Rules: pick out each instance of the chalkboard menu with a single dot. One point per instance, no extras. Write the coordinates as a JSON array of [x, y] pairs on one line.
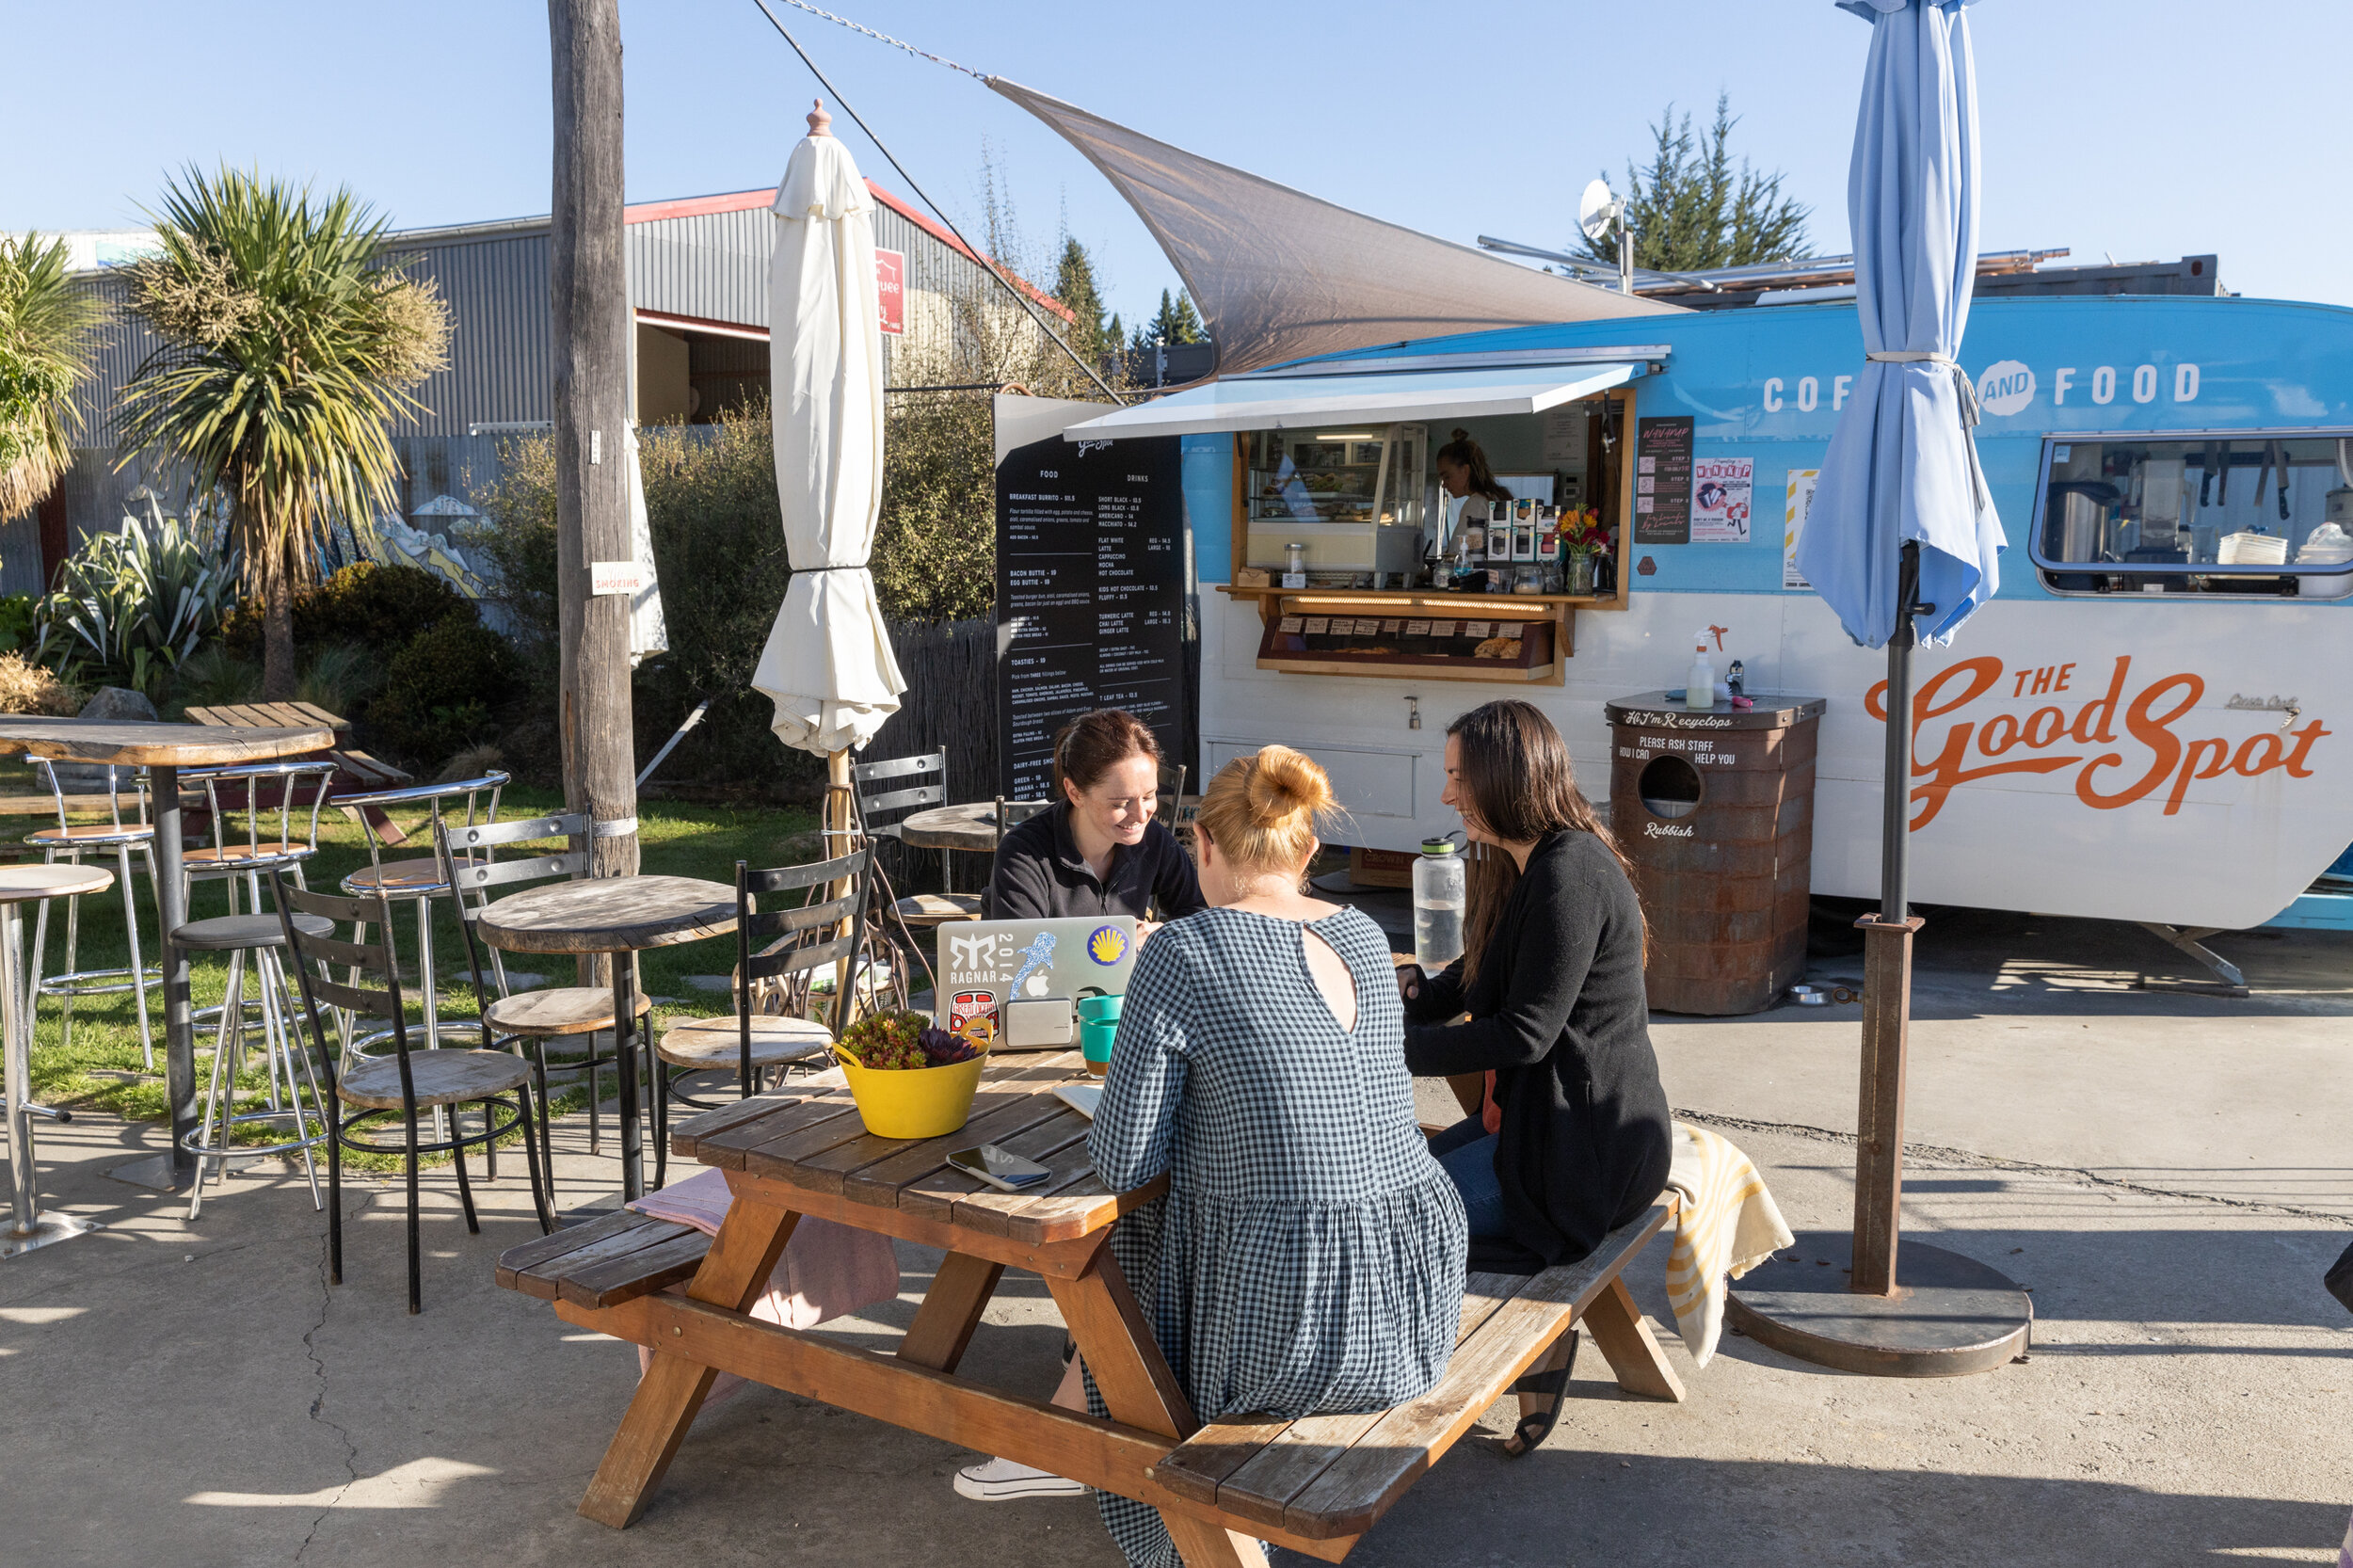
[[1662, 481], [1090, 596]]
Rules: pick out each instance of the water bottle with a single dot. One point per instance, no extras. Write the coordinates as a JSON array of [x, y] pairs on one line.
[[1438, 903]]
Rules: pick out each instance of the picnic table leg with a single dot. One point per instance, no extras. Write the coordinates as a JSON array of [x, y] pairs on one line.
[[733, 1274], [1140, 1391], [1626, 1342], [950, 1311]]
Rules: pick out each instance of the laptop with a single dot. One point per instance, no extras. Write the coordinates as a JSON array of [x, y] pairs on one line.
[[1016, 984]]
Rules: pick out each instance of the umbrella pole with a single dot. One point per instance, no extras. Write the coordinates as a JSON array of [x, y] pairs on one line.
[[837, 841], [1833, 1299], [1887, 975]]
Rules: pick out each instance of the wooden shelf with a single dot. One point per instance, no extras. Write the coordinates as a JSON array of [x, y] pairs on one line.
[[1428, 599], [1503, 675]]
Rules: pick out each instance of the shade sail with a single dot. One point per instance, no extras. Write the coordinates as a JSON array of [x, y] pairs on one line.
[[1902, 463], [828, 666], [1279, 275], [1288, 402]]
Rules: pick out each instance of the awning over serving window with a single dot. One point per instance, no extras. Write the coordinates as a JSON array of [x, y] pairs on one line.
[[1290, 402]]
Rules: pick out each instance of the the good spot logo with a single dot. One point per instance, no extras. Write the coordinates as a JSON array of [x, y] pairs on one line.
[[2006, 388], [2113, 770]]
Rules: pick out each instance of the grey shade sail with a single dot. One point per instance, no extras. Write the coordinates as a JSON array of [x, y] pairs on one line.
[[1279, 275], [1303, 402]]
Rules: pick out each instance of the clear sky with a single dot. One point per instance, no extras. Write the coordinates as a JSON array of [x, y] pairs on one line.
[[2145, 128]]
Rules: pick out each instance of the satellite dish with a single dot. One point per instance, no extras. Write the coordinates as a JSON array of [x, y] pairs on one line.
[[1597, 211]]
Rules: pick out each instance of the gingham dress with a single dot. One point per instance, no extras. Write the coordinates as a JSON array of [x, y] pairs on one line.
[[1308, 1256]]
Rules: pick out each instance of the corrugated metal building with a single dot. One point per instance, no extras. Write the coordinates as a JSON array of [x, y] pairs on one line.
[[699, 283]]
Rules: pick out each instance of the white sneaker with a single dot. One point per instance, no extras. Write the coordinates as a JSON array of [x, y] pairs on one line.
[[1000, 1481]]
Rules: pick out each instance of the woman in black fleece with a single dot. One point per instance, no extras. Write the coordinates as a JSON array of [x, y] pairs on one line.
[[1572, 1139]]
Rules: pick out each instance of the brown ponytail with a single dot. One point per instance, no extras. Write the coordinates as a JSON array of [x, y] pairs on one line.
[[1464, 452]]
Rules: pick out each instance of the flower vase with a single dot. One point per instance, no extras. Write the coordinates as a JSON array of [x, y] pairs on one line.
[[1580, 577]]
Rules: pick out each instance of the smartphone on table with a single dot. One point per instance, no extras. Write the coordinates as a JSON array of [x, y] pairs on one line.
[[1008, 1173]]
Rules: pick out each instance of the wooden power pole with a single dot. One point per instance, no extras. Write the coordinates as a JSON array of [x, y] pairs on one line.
[[588, 281]]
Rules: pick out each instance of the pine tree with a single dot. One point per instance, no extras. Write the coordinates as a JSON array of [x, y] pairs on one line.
[[1692, 210], [1175, 322], [1075, 287]]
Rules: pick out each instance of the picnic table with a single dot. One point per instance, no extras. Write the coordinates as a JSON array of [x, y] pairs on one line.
[[1314, 1485], [356, 771]]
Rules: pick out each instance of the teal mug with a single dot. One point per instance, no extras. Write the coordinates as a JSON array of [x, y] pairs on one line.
[[1094, 1041], [1099, 1010]]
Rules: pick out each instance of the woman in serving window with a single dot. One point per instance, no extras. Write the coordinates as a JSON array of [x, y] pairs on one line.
[[1464, 474]]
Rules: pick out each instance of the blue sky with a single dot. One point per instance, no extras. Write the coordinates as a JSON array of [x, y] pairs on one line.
[[2145, 128]]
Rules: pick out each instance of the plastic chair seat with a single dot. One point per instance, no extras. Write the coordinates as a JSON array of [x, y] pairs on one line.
[[105, 832], [441, 1078], [717, 1043], [558, 1010], [223, 933], [400, 879]]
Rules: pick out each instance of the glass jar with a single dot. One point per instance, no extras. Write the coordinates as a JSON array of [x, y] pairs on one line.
[[1581, 573]]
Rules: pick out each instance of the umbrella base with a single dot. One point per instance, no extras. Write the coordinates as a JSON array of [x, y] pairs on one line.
[[1950, 1316]]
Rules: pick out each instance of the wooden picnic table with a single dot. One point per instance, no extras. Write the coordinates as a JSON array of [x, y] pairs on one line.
[[1314, 1485], [163, 749]]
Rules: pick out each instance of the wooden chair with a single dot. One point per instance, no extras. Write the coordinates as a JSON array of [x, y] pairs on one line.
[[405, 1082], [787, 944], [468, 866]]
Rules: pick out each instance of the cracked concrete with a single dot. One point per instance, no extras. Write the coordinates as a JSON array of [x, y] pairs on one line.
[[2163, 1173]]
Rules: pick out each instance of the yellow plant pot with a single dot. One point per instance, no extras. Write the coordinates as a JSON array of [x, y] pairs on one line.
[[913, 1102]]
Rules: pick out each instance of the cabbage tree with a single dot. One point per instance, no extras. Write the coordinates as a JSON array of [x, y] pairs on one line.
[[46, 324], [292, 340]]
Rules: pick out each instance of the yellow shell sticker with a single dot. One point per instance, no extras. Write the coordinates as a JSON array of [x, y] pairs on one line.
[[1107, 944]]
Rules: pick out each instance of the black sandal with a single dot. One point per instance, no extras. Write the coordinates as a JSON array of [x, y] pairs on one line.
[[1532, 1430]]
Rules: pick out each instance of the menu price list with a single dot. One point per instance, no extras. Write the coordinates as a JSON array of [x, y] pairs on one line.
[[1662, 481], [1090, 596]]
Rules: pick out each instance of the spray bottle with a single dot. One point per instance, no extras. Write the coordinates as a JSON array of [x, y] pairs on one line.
[[1699, 686]]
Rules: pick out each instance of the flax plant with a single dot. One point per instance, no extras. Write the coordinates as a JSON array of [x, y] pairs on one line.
[[46, 321], [292, 341]]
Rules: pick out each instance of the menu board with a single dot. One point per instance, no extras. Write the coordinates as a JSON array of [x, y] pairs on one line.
[[1090, 596], [1662, 481]]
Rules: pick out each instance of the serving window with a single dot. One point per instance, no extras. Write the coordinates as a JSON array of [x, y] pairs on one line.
[[2244, 514]]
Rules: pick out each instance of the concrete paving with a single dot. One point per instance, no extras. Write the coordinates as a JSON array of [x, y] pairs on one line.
[[2164, 1172]]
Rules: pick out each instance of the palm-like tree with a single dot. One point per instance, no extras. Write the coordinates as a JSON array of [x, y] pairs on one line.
[[45, 327], [291, 342]]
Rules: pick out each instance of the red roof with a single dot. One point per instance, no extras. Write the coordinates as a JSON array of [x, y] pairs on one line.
[[741, 201]]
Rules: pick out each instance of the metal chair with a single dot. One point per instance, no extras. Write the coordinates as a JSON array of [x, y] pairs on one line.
[[916, 910], [72, 842], [405, 1082], [818, 933], [468, 866], [418, 881]]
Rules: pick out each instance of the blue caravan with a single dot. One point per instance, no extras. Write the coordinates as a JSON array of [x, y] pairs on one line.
[[2146, 724]]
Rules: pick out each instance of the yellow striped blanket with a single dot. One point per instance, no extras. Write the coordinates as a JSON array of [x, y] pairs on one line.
[[1727, 1224]]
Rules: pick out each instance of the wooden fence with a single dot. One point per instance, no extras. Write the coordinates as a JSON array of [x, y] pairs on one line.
[[950, 705]]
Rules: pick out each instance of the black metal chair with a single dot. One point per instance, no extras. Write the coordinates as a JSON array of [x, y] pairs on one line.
[[469, 866], [405, 1082], [788, 944]]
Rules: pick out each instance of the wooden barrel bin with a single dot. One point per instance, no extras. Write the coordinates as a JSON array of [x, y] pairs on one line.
[[1715, 810]]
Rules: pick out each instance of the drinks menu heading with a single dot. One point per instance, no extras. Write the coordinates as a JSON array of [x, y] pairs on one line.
[[1090, 596]]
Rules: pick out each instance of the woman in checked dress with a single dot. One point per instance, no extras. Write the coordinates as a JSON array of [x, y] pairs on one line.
[[1308, 1256]]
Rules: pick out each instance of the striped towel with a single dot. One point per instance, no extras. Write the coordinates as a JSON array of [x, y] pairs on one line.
[[1726, 1224], [827, 1269]]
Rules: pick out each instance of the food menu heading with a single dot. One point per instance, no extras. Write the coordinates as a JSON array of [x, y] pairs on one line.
[[1090, 596], [1662, 481]]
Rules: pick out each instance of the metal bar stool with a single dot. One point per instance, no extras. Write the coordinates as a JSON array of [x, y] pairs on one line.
[[28, 1226], [820, 934], [71, 843]]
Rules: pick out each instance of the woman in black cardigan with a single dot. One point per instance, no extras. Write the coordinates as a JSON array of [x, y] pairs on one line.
[[1572, 1139]]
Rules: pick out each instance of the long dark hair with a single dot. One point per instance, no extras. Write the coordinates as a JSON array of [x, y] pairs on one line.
[[1464, 452], [1517, 780]]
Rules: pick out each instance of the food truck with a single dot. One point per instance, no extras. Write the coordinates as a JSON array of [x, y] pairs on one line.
[[2148, 722]]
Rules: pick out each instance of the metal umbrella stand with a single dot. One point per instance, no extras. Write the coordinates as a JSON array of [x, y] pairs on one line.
[[1901, 470]]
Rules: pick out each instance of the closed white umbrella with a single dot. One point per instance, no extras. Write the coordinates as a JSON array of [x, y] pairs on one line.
[[827, 666], [649, 634]]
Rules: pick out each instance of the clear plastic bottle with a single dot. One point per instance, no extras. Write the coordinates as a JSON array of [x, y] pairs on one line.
[[1438, 904]]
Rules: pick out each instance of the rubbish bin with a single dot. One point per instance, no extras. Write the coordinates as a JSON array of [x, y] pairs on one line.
[[1715, 810]]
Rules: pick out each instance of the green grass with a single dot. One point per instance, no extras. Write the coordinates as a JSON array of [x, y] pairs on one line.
[[101, 1069]]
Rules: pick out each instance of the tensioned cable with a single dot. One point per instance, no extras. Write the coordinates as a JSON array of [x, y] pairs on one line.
[[986, 265], [886, 38]]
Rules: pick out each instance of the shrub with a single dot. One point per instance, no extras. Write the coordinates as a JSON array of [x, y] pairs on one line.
[[379, 606], [27, 688], [441, 693], [20, 622]]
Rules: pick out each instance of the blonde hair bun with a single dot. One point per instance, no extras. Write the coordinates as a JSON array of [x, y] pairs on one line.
[[1285, 786]]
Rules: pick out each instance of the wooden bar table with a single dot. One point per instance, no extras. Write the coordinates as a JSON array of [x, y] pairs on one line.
[[29, 1228], [163, 749], [617, 916], [805, 1151]]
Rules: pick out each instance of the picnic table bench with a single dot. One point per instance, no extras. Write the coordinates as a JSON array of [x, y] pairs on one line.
[[1314, 1485], [356, 771]]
